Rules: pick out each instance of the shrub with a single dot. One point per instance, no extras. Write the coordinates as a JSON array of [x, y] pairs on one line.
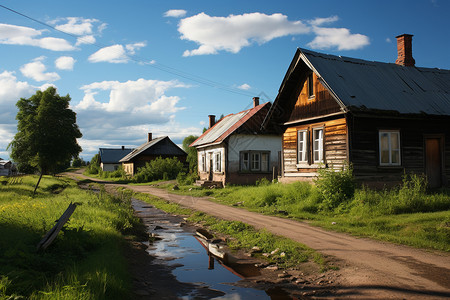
[[335, 187], [159, 168], [186, 179]]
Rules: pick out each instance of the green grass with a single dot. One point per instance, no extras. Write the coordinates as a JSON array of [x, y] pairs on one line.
[[408, 214], [86, 259]]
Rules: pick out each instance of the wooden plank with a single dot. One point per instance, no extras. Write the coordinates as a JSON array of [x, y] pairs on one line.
[[53, 233]]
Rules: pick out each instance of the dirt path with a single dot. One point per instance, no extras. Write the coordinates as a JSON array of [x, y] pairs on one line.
[[369, 269]]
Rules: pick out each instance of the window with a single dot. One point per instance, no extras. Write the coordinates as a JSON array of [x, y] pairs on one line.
[[310, 146], [302, 144], [264, 162], [254, 161], [317, 145], [389, 141], [203, 163], [310, 85], [218, 162]]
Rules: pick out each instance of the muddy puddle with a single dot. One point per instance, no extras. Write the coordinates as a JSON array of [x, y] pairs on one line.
[[174, 244]]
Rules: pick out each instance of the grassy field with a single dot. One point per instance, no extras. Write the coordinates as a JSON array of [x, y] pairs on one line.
[[84, 262], [408, 214]]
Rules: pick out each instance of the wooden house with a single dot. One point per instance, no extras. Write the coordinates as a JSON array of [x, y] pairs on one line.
[[235, 150], [110, 157], [6, 167], [152, 149], [385, 119]]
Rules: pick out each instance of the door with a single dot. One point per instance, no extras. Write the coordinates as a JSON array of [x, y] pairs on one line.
[[433, 162], [211, 166]]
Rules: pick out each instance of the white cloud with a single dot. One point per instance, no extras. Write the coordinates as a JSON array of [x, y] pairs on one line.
[[26, 36], [175, 13], [339, 38], [87, 39], [244, 87], [113, 54], [116, 53], [36, 70], [125, 107], [133, 47], [76, 25], [11, 90], [322, 21], [234, 32], [65, 63]]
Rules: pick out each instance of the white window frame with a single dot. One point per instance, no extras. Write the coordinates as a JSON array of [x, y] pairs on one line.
[[319, 148], [302, 146], [218, 162], [389, 147], [203, 162]]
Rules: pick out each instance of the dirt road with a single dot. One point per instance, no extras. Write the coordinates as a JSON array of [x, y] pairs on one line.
[[369, 269]]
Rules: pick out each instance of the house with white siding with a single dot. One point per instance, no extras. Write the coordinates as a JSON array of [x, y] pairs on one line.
[[234, 150]]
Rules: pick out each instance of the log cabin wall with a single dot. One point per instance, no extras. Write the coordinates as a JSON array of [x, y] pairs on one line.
[[364, 145], [335, 148]]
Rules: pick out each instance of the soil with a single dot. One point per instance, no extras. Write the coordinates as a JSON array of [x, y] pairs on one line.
[[368, 269]]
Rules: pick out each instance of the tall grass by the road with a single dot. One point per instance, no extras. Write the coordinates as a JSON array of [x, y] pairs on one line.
[[408, 214], [86, 259]]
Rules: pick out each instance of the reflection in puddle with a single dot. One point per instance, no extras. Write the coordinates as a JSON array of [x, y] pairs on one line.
[[179, 249]]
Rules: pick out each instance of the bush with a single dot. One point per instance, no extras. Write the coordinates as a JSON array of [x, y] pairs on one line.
[[186, 179], [159, 168], [335, 187]]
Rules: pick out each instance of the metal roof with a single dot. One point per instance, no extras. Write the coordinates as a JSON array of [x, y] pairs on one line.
[[361, 84], [113, 155], [168, 148], [226, 126]]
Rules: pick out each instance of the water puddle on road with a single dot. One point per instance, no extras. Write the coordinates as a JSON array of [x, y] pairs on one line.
[[177, 247]]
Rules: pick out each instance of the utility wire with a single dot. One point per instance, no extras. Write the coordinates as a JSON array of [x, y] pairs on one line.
[[151, 63]]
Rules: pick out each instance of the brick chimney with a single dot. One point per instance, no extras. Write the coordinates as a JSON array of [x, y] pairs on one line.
[[404, 50], [212, 120], [149, 137], [255, 101]]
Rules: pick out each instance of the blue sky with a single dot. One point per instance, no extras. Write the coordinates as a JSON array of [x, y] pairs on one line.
[[163, 66]]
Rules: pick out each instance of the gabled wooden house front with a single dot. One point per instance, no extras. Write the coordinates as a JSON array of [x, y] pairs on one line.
[[159, 147], [385, 119]]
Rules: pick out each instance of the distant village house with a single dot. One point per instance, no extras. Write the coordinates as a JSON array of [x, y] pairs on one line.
[[152, 149], [110, 158], [235, 150]]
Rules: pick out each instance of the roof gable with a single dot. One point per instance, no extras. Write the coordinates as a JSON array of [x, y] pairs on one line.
[[111, 156], [231, 124], [360, 85], [159, 146]]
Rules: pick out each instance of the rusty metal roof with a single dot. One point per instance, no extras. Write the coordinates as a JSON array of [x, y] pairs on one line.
[[226, 126], [360, 84]]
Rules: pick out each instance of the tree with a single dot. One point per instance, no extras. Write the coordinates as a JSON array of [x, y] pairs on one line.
[[192, 153], [47, 132]]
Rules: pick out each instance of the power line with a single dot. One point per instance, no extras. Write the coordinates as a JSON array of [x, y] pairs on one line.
[[154, 64]]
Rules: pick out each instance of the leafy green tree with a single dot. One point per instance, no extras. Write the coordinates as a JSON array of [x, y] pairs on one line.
[[47, 132], [191, 153]]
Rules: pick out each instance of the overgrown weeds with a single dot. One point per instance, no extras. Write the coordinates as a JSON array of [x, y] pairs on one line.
[[84, 262]]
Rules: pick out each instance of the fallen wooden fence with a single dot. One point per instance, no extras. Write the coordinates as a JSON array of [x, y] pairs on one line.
[[53, 233]]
